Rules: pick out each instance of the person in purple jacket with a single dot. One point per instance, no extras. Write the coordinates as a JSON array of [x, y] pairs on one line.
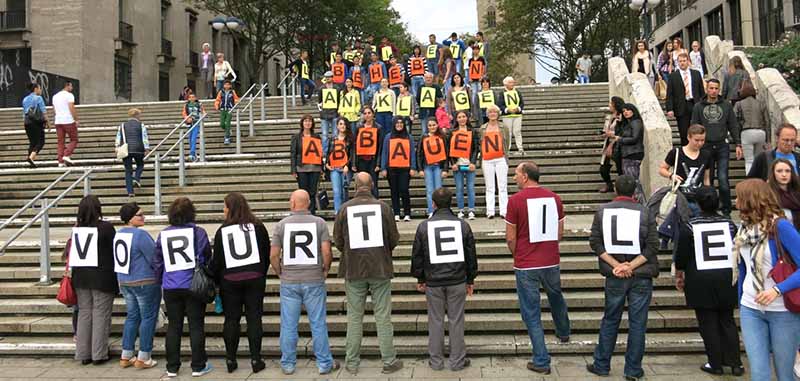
[[179, 248], [768, 325]]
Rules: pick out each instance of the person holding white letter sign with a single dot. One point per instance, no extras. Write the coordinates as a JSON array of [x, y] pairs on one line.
[[91, 258], [628, 260], [444, 262], [301, 257]]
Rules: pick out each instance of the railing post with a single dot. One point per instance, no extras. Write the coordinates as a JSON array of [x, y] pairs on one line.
[[202, 142], [283, 92], [238, 133], [157, 186], [44, 248], [294, 93], [263, 92], [251, 120], [87, 184], [181, 164]]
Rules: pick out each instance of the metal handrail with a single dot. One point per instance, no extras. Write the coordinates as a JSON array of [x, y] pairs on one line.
[[288, 73], [249, 108], [169, 135], [183, 136], [283, 87], [246, 93], [33, 200]]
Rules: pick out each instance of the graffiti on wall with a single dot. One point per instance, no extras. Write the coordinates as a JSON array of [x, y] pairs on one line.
[[16, 73]]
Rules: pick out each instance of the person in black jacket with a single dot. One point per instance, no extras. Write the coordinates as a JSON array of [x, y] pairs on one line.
[[630, 143], [707, 283], [338, 162], [367, 147], [432, 159], [680, 98], [717, 116], [239, 264], [94, 280], [784, 149], [306, 156], [628, 260], [444, 262]]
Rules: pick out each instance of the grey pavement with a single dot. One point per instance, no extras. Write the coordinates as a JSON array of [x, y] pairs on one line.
[[657, 368]]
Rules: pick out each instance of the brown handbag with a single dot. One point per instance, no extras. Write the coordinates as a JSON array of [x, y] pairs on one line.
[[782, 271]]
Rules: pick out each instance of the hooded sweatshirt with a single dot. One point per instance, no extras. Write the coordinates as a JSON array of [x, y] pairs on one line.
[[718, 118]]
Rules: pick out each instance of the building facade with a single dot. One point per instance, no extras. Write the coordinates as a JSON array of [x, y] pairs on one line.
[[745, 22], [524, 64], [118, 50]]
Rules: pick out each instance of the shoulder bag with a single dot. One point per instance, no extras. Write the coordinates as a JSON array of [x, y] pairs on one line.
[[669, 200], [782, 271], [66, 294], [122, 150]]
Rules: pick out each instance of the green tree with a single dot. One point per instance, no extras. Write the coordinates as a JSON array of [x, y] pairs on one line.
[[563, 30]]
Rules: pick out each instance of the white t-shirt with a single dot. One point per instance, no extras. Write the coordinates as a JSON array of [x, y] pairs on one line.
[[61, 103], [748, 290]]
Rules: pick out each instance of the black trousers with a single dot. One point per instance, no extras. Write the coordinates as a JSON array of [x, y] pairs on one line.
[[35, 132], [605, 168], [309, 181], [369, 167], [235, 295], [180, 304], [683, 123], [399, 180], [720, 336]]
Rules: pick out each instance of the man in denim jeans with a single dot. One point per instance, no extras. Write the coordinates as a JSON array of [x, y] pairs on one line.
[[301, 256], [629, 263], [534, 225]]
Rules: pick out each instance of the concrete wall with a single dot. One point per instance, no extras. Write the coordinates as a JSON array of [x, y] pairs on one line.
[[635, 88]]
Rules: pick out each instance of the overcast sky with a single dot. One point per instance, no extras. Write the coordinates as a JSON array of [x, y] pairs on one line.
[[442, 17]]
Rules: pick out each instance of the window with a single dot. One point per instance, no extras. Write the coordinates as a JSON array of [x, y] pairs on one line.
[[491, 17], [163, 86], [736, 21], [796, 11], [770, 20], [122, 77], [661, 15], [715, 23], [695, 33], [164, 21], [192, 31]]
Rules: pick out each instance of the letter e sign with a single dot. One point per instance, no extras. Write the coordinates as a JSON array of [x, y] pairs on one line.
[[445, 243], [713, 245]]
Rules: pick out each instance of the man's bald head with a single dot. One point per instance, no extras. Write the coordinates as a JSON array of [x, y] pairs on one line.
[[363, 181], [300, 200]]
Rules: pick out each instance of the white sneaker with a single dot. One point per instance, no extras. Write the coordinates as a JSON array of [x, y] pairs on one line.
[[396, 218], [68, 160], [203, 371], [61, 165], [407, 218], [471, 215], [460, 214], [169, 374], [430, 215], [797, 366]]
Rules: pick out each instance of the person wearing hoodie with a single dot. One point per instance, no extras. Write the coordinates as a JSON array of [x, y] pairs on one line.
[[241, 276], [180, 249], [399, 164], [226, 100], [717, 116], [432, 159]]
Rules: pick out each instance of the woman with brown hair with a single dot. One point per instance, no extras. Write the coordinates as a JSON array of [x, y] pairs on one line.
[[735, 79], [642, 61], [753, 123], [239, 264], [665, 61], [677, 49], [447, 67], [306, 159], [786, 185], [767, 325]]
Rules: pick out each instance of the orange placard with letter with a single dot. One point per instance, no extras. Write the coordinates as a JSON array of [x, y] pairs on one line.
[[417, 66], [476, 70], [395, 76], [399, 153], [492, 146], [338, 157], [433, 148], [358, 80], [375, 73], [461, 144], [338, 70], [312, 150], [367, 141]]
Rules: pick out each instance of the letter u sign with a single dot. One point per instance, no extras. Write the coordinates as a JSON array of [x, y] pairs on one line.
[[240, 246]]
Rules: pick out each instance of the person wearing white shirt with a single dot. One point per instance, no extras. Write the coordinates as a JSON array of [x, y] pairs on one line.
[[222, 69], [66, 122]]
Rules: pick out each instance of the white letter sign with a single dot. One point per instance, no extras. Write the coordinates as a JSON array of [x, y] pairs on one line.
[[240, 246], [713, 246], [365, 226], [122, 252], [445, 243], [300, 245], [621, 231], [83, 252], [542, 219], [177, 247]]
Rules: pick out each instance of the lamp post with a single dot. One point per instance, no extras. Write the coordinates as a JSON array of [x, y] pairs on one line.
[[231, 24], [641, 5]]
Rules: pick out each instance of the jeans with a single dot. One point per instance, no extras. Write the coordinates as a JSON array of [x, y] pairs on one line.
[[475, 87], [416, 83], [370, 92], [193, 134], [496, 169], [142, 304], [468, 176], [220, 85], [528, 283], [433, 181], [752, 144], [384, 119], [181, 304], [129, 174], [62, 132], [235, 295], [293, 298], [309, 84], [309, 181], [720, 156], [583, 78], [638, 292], [765, 332], [339, 181], [424, 115], [433, 66], [399, 180], [381, 290], [327, 128]]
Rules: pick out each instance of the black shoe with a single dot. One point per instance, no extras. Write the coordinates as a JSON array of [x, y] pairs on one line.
[[31, 163], [737, 371], [86, 362], [258, 365], [232, 365], [634, 378], [591, 369], [536, 369], [99, 362], [563, 339], [708, 369], [467, 363]]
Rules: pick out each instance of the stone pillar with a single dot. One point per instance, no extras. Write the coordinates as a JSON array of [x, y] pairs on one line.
[[748, 25], [636, 89]]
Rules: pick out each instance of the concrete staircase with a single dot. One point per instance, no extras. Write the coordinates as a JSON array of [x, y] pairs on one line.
[[561, 128]]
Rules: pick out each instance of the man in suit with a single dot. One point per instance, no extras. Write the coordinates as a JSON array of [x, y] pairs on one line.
[[684, 89]]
